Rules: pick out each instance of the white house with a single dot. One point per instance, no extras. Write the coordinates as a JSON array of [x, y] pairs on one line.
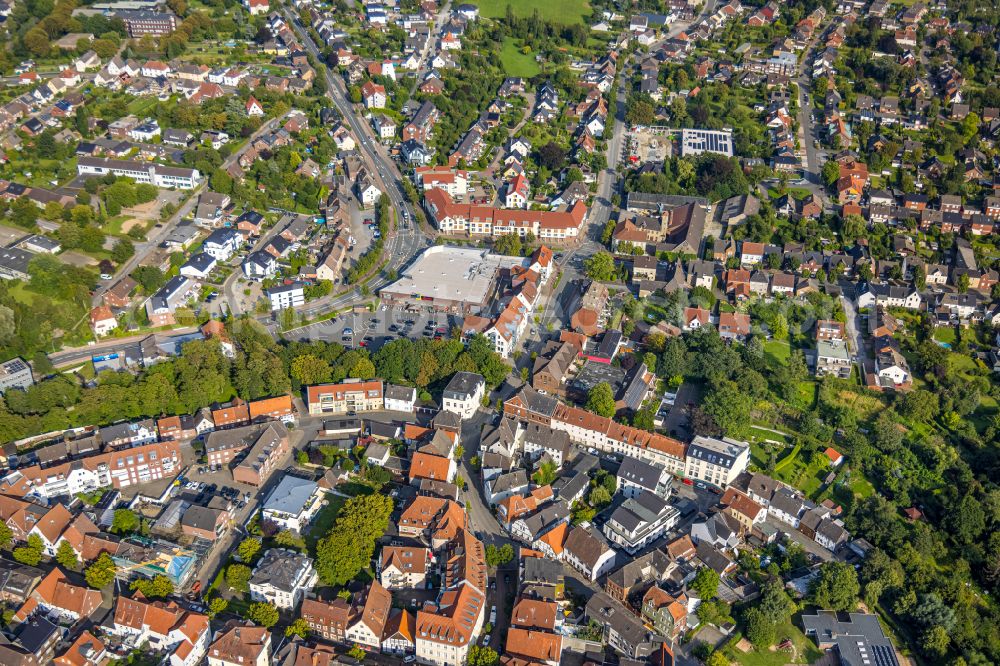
[[636, 476], [400, 398], [282, 577], [293, 503], [716, 461], [222, 243], [403, 567], [639, 521], [464, 394], [588, 552], [259, 265], [198, 266], [287, 296]]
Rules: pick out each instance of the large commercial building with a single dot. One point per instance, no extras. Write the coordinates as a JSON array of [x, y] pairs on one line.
[[698, 141], [453, 279], [141, 22], [140, 172]]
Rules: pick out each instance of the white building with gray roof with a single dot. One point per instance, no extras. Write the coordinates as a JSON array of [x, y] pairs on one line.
[[293, 503], [282, 577]]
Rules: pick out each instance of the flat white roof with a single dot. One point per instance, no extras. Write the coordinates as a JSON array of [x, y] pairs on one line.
[[452, 273]]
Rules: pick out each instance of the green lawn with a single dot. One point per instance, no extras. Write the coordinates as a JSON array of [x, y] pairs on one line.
[[21, 293], [324, 520], [777, 351], [516, 63], [945, 334], [805, 650], [141, 105], [557, 11], [805, 395]]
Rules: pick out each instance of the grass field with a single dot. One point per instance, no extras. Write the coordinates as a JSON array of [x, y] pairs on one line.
[[324, 520], [516, 63], [805, 650], [777, 351], [557, 11]]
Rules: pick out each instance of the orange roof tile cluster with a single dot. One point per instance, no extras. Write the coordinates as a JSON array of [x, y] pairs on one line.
[[442, 517], [515, 506], [429, 466], [241, 643], [86, 650], [736, 501], [442, 206], [405, 558], [627, 435], [160, 618], [374, 612], [536, 645], [454, 621], [534, 614], [555, 538], [55, 591]]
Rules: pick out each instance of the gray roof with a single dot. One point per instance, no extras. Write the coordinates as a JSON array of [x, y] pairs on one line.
[[394, 392], [633, 638], [538, 570], [549, 515], [463, 385], [279, 568], [640, 473], [555, 440], [586, 545], [510, 481], [290, 495], [858, 636]]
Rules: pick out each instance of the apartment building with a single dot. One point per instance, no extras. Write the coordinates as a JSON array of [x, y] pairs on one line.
[[352, 395], [281, 578], [119, 469], [716, 461]]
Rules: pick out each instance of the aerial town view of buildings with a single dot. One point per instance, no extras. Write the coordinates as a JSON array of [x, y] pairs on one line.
[[499, 333]]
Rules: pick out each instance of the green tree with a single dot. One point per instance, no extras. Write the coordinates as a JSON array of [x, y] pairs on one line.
[[101, 573], [760, 630], [216, 606], [125, 522], [729, 408], [6, 536], [350, 545], [835, 588], [66, 556], [248, 549], [238, 577], [482, 656], [310, 369], [263, 614], [599, 497], [298, 628], [717, 659], [706, 583], [30, 554], [601, 400], [831, 172], [122, 250], [601, 267], [157, 587], [545, 474], [508, 245]]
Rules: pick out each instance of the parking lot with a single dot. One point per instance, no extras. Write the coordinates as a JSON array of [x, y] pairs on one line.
[[374, 329]]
